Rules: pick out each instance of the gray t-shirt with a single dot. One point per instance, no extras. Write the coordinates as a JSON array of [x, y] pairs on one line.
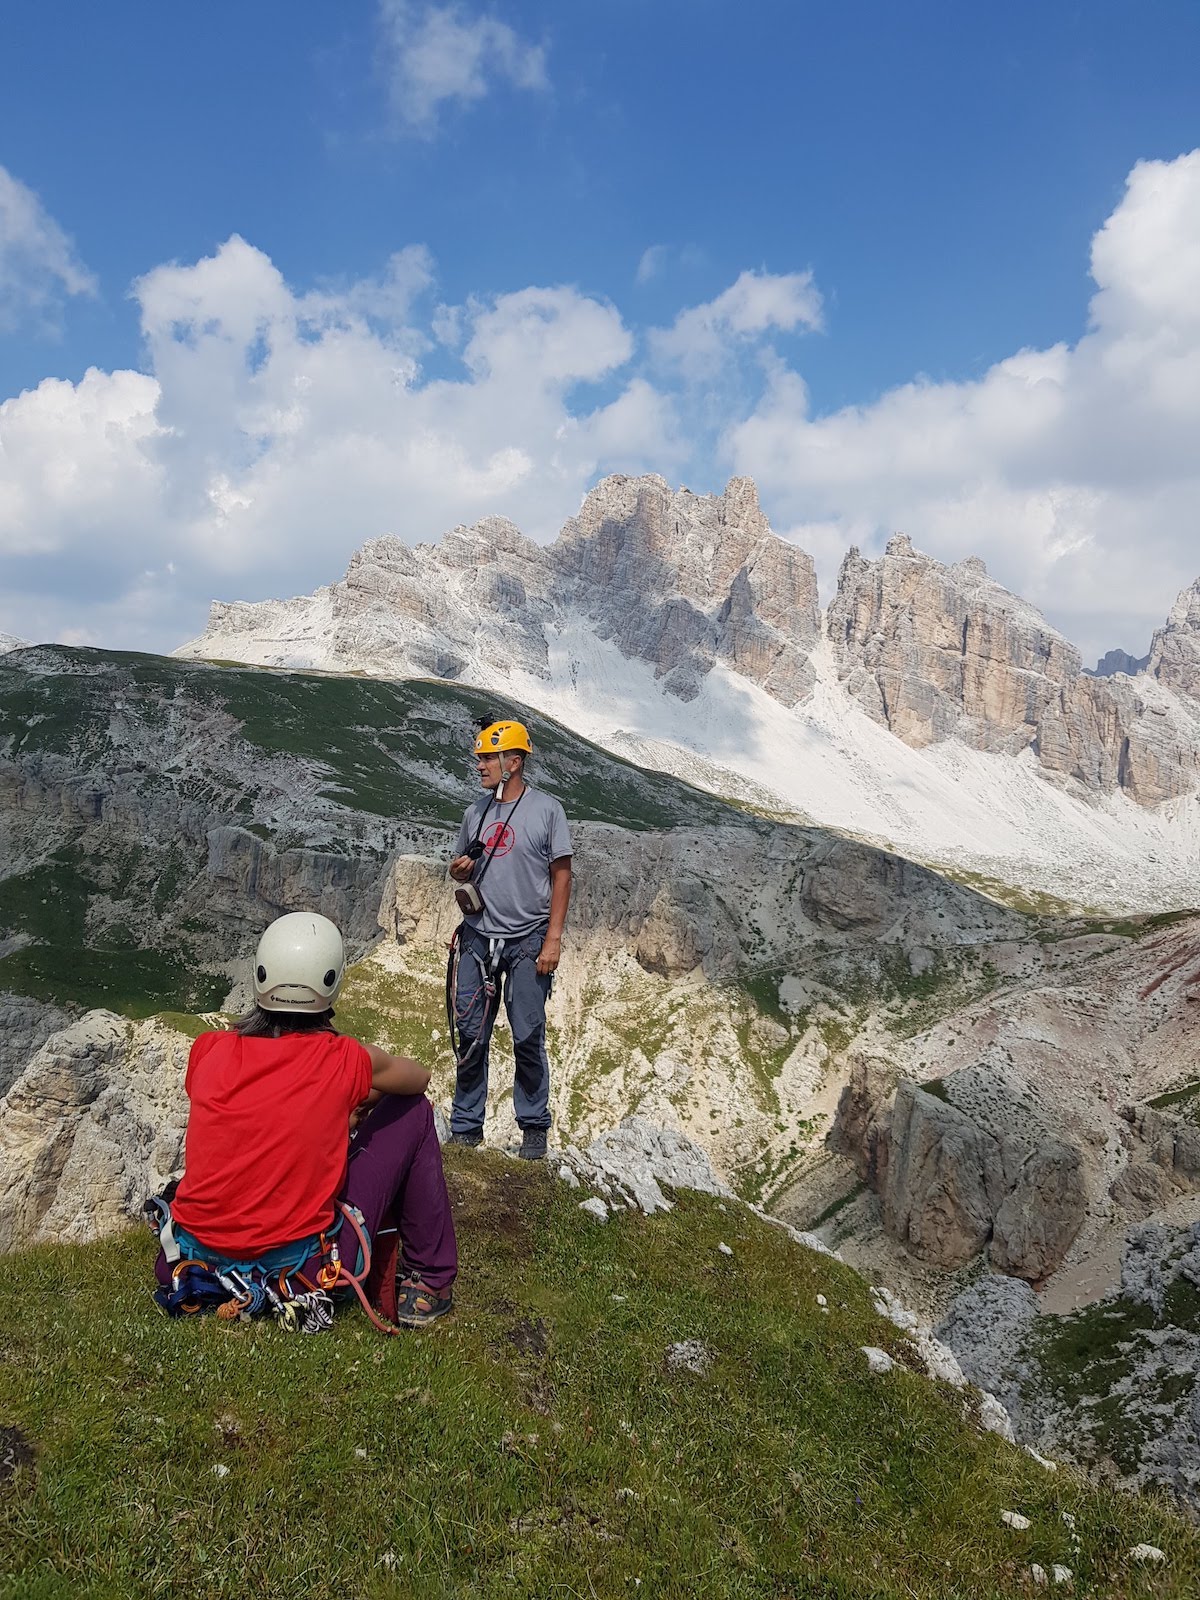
[[516, 885]]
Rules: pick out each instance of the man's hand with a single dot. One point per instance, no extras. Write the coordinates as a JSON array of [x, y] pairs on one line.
[[550, 955], [461, 868]]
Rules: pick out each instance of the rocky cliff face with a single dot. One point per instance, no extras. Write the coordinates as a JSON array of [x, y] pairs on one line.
[[938, 652], [677, 580], [1175, 649], [683, 580], [1040, 1138]]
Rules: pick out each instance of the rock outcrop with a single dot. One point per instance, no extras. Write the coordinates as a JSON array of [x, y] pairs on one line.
[[1038, 1140], [634, 1163], [952, 1189], [1171, 1144], [92, 1125], [25, 1025], [1115, 1386], [936, 652]]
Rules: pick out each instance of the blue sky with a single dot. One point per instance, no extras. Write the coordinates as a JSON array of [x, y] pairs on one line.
[[913, 189]]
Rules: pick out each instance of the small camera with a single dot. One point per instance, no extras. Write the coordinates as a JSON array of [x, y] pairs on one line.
[[474, 849]]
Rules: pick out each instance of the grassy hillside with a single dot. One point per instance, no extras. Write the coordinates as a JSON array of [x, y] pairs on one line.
[[535, 1443], [388, 749], [121, 764]]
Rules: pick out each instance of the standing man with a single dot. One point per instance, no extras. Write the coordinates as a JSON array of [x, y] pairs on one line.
[[513, 860]]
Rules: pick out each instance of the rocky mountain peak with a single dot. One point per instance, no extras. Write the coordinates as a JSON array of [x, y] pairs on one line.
[[1114, 661], [935, 651], [693, 544], [683, 580], [686, 583], [1175, 647]]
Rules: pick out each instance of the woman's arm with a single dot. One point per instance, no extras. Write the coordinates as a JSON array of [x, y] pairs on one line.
[[396, 1074]]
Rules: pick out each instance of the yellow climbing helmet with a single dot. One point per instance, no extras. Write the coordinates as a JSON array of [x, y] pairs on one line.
[[499, 736]]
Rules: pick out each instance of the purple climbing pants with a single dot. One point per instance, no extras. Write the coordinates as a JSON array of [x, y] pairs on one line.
[[396, 1174], [396, 1180]]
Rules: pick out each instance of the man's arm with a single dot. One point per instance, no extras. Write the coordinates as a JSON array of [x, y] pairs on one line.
[[560, 899]]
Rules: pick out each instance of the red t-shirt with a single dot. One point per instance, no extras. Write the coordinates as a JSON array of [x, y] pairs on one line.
[[267, 1137]]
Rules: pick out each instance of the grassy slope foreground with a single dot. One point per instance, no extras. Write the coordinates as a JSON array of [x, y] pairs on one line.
[[536, 1442]]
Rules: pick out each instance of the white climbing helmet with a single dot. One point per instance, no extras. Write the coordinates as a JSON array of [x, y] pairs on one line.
[[299, 963]]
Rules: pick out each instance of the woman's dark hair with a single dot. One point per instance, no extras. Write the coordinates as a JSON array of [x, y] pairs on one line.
[[260, 1024]]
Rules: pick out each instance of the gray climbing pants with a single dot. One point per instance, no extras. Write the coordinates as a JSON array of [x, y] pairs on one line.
[[525, 995]]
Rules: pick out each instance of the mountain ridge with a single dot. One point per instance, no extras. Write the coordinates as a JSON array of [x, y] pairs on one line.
[[680, 631]]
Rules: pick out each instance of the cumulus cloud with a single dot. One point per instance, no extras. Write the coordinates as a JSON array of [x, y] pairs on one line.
[[38, 264], [439, 55], [274, 430], [1073, 470], [756, 304]]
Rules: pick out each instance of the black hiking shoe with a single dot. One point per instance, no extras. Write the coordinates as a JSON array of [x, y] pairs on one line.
[[471, 1140], [533, 1144]]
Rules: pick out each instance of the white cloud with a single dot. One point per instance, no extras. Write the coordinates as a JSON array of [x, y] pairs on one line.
[[38, 264], [275, 429], [1073, 471], [437, 55], [651, 263], [757, 303]]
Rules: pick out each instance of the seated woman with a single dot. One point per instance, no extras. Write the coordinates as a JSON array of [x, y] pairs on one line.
[[268, 1146]]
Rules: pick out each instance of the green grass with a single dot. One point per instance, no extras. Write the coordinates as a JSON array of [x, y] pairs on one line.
[[535, 1443], [1186, 1099], [1030, 902], [835, 1207]]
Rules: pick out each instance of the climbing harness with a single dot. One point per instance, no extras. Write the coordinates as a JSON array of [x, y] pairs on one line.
[[272, 1284], [476, 1024], [477, 1020]]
